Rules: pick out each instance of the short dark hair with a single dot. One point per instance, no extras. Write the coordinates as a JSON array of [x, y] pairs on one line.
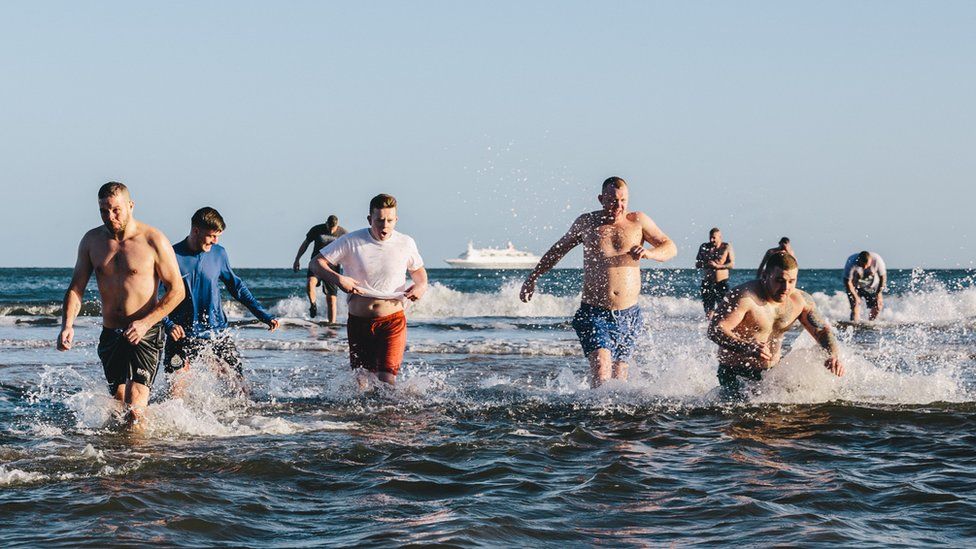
[[615, 182], [714, 230], [784, 241], [782, 261], [112, 188], [381, 201], [862, 258], [208, 218], [332, 221]]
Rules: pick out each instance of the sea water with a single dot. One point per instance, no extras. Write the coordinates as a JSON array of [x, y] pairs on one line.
[[492, 435]]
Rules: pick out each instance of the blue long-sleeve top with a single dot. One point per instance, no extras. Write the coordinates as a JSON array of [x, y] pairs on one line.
[[200, 313]]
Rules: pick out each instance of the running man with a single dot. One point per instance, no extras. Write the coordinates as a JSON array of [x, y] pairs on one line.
[[865, 276], [320, 236], [750, 325], [783, 248], [375, 260], [130, 259], [198, 323], [715, 259], [608, 322]]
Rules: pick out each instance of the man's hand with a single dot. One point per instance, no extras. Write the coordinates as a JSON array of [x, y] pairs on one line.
[[296, 266], [177, 333], [640, 252], [349, 285], [761, 351], [416, 291], [66, 338], [528, 288], [136, 331], [835, 366], [272, 324]]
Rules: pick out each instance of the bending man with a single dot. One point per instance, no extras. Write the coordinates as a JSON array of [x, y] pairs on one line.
[[320, 236], [130, 259], [865, 276], [749, 328], [608, 322], [375, 260]]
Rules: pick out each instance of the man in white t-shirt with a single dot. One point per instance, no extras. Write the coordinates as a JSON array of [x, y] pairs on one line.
[[374, 262], [865, 276]]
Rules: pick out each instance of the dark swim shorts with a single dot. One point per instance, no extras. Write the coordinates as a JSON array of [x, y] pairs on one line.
[[124, 362], [712, 293], [327, 287], [728, 378], [189, 348], [616, 331], [870, 298]]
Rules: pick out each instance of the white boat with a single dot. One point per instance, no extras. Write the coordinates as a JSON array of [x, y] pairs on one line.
[[494, 258]]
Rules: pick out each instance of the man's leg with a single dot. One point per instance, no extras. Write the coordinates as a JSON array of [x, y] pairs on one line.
[[331, 302], [855, 306], [312, 283], [871, 300], [601, 366], [620, 368]]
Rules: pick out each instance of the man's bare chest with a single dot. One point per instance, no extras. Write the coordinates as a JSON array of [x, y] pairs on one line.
[[123, 259], [613, 239]]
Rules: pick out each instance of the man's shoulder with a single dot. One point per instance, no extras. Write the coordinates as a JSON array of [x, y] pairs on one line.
[[95, 233]]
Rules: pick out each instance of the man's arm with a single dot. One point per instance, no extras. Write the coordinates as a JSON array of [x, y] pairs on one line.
[[663, 247], [762, 264], [321, 269], [700, 258], [239, 291], [817, 326], [301, 252], [73, 296], [572, 238], [419, 288], [168, 271], [727, 261], [729, 316]]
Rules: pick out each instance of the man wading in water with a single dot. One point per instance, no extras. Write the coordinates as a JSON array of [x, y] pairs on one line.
[[129, 259], [609, 320]]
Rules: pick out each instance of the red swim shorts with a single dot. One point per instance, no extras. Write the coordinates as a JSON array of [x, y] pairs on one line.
[[377, 344]]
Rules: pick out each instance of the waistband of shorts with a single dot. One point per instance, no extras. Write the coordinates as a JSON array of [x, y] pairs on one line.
[[120, 330], [370, 319], [587, 308]]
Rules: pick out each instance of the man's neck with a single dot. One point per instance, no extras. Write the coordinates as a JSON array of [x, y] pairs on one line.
[[190, 245], [126, 232]]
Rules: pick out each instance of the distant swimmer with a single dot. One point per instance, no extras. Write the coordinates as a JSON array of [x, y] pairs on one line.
[[715, 259], [783, 248], [750, 326], [608, 322], [865, 276], [375, 260], [320, 236], [130, 259], [198, 324]]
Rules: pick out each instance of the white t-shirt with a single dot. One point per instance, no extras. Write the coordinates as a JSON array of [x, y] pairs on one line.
[[868, 279], [380, 266]]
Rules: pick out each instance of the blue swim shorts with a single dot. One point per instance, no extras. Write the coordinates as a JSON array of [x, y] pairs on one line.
[[616, 331]]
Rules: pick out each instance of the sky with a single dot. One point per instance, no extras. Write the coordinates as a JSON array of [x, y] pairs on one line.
[[844, 125]]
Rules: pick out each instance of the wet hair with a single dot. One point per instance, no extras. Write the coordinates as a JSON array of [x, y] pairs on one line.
[[862, 258], [782, 261], [332, 221], [209, 219], [381, 201], [615, 182], [784, 241], [112, 188], [713, 231]]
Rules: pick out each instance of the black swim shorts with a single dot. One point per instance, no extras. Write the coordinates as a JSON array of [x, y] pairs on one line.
[[221, 347], [870, 298], [712, 293], [728, 378], [123, 362]]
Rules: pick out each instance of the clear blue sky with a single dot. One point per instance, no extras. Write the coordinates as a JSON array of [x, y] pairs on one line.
[[845, 125]]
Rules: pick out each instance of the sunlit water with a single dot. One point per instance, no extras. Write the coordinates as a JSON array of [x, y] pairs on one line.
[[492, 436]]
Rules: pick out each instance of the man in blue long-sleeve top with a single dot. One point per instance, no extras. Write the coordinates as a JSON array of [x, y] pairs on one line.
[[198, 324]]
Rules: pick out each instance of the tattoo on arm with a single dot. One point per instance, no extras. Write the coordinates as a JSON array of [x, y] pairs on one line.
[[823, 334]]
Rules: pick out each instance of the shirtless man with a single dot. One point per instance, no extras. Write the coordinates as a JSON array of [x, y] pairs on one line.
[[783, 248], [750, 326], [375, 260], [130, 259], [608, 322], [715, 259]]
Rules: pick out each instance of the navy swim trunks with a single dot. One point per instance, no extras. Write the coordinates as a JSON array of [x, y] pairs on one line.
[[616, 331]]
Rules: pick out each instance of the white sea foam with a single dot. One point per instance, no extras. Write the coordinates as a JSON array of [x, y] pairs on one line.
[[16, 476]]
